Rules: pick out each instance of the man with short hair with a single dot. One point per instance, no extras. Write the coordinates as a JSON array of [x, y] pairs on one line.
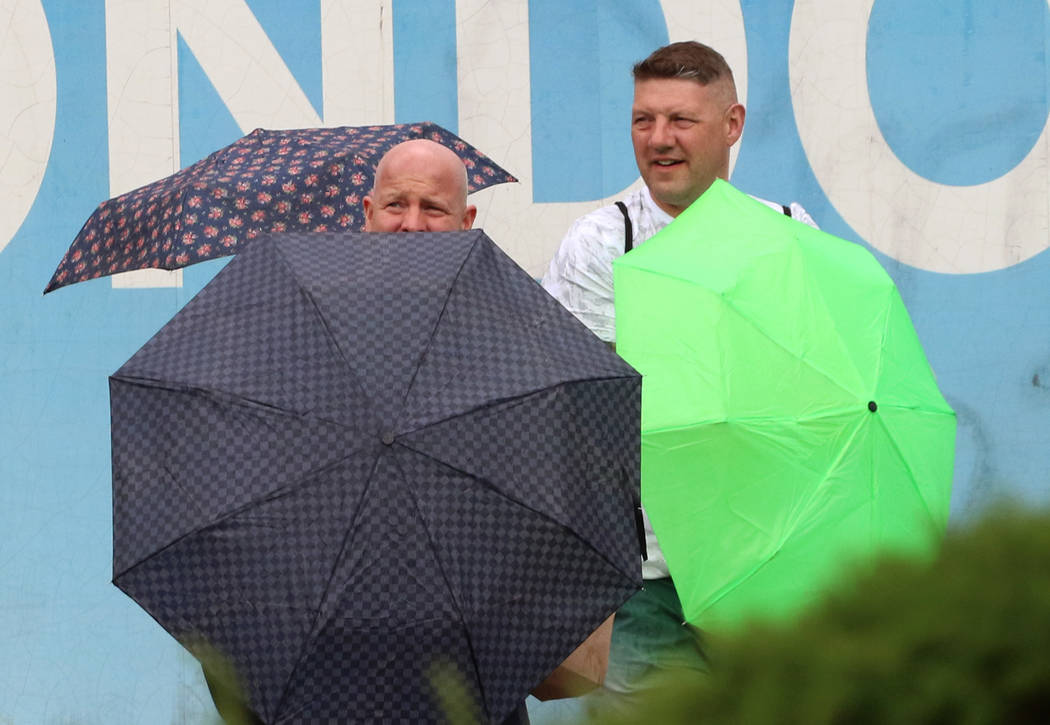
[[684, 120], [419, 185]]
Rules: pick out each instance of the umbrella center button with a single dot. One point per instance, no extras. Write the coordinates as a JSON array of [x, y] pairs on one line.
[[388, 438]]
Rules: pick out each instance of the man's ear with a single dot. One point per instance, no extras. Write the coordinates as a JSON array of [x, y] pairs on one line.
[[468, 216], [734, 119], [369, 209]]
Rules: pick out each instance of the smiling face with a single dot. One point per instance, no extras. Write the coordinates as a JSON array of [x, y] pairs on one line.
[[682, 132], [419, 185]]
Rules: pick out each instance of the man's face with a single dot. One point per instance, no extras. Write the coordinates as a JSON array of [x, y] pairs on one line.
[[417, 192], [682, 132]]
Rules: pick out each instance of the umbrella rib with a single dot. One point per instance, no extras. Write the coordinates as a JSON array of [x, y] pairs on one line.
[[437, 323], [904, 462], [801, 511], [218, 394], [838, 412], [448, 585], [831, 467], [500, 492], [524, 505], [762, 331], [509, 399], [889, 290], [272, 495], [505, 401], [729, 305], [350, 531], [328, 331], [729, 587], [886, 329], [226, 398]]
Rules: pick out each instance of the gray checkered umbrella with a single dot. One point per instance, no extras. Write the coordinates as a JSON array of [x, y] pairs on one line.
[[353, 458]]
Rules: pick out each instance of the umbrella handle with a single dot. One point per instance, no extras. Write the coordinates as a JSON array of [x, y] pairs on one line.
[[639, 526]]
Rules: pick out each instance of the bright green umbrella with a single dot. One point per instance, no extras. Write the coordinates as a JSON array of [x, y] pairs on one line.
[[791, 425]]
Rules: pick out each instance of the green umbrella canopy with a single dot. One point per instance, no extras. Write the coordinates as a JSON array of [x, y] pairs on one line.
[[791, 424]]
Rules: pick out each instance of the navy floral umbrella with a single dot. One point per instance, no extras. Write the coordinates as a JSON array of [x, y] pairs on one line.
[[268, 181]]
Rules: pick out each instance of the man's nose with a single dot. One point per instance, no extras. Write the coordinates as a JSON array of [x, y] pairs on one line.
[[661, 136], [413, 220]]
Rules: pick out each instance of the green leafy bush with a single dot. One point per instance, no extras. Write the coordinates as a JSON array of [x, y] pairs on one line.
[[959, 640]]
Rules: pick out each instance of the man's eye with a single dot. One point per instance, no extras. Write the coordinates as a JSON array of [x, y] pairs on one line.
[[683, 122]]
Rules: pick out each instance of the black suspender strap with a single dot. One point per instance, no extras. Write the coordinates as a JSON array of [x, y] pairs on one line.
[[628, 230]]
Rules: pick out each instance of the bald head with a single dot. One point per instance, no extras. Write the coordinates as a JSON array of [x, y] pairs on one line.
[[419, 185]]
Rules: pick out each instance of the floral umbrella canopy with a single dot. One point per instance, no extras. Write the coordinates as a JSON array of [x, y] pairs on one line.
[[268, 181]]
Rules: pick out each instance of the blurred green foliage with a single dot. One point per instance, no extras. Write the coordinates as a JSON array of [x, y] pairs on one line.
[[225, 687], [456, 701], [962, 639]]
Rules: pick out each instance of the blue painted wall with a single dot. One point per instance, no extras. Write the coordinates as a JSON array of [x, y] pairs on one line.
[[959, 91]]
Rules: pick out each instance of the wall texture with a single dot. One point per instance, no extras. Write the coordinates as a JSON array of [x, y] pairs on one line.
[[917, 131]]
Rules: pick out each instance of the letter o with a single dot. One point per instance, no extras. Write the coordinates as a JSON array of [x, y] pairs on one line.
[[28, 101], [932, 226]]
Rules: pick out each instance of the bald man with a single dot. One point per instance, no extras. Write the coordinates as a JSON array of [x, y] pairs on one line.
[[419, 186]]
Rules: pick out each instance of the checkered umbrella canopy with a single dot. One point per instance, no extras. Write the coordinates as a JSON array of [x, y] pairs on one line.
[[353, 458], [306, 179]]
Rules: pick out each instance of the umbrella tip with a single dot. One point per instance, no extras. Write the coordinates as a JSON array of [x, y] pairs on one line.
[[872, 406]]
